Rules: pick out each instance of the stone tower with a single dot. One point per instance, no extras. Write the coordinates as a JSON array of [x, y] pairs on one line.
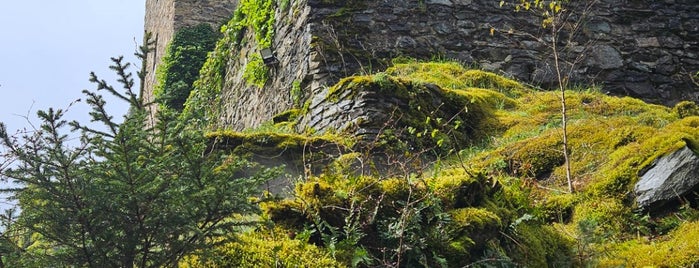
[[165, 17]]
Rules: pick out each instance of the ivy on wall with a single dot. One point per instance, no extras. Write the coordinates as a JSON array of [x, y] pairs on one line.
[[183, 59], [255, 15]]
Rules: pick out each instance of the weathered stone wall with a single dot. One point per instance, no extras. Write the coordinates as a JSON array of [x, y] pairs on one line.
[[645, 49], [160, 22], [164, 17], [246, 105], [641, 48]]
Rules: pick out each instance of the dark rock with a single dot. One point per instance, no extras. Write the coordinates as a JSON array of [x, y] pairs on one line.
[[440, 2], [641, 89], [669, 178], [406, 42], [442, 28], [606, 57]]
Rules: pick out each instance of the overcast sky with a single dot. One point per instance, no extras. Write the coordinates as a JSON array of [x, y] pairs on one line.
[[49, 47]]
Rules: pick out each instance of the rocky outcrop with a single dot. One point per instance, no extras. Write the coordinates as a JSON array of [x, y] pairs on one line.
[[671, 177], [409, 115]]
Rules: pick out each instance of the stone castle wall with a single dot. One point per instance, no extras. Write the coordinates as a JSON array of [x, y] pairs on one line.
[[246, 105], [644, 49], [641, 48], [164, 17]]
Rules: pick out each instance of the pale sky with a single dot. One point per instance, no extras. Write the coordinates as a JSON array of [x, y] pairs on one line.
[[49, 47]]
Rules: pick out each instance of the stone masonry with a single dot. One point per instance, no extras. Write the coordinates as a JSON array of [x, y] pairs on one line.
[[165, 17], [645, 49]]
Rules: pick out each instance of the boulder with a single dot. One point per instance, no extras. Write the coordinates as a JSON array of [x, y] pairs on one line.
[[669, 177]]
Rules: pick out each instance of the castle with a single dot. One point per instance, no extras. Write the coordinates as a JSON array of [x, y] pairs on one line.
[[165, 17], [644, 49]]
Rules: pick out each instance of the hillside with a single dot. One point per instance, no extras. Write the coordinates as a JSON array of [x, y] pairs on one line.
[[413, 163], [482, 187], [307, 133]]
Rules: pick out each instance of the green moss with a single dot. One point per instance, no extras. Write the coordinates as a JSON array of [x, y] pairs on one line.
[[273, 248], [679, 249], [557, 207], [287, 116], [535, 157], [427, 116], [456, 189], [540, 246], [500, 196], [452, 75], [396, 189], [472, 220], [472, 228], [285, 213], [270, 141], [603, 215], [623, 164], [686, 108]]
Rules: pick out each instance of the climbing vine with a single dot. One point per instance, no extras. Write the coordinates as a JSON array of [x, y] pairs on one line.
[[181, 64], [255, 15]]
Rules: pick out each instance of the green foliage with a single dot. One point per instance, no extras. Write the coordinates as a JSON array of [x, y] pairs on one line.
[[507, 185], [541, 246], [296, 93], [548, 10], [425, 116], [499, 201], [181, 64], [680, 249], [256, 71], [396, 221], [256, 15], [126, 195]]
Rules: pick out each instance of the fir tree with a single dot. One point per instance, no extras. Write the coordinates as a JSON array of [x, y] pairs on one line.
[[130, 194]]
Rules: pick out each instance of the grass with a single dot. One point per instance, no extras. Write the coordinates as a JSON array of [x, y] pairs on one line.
[[509, 179]]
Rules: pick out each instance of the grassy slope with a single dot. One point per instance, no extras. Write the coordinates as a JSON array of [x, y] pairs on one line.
[[514, 208]]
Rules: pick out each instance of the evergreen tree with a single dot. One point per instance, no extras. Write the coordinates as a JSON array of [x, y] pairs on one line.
[[130, 194]]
